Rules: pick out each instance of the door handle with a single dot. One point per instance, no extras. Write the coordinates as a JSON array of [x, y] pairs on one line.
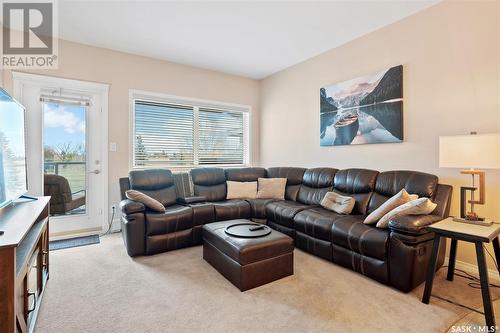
[[96, 171]]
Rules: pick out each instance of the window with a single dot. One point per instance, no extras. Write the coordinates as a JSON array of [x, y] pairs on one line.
[[163, 134], [180, 134], [220, 137]]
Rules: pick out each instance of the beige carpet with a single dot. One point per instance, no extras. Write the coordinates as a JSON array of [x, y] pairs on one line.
[[98, 288]]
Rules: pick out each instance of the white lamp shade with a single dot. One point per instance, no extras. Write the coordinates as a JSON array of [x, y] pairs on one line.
[[477, 151]]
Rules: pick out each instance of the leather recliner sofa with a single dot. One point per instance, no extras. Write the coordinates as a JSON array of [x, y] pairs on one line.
[[397, 256]]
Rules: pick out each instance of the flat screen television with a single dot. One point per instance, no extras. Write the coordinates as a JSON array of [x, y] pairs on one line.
[[13, 177]]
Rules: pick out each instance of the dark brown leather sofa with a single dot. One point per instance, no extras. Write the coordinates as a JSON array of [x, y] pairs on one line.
[[397, 256]]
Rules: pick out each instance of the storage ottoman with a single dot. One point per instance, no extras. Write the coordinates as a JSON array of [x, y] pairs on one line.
[[247, 262]]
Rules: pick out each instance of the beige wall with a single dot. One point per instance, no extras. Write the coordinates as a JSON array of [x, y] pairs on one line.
[[125, 71], [451, 59]]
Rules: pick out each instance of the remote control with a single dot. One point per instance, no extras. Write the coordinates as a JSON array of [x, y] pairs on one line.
[[260, 227]]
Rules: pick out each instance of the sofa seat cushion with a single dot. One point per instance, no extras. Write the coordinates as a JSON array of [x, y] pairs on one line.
[[168, 242], [317, 222], [231, 209], [310, 244], [258, 207], [283, 212], [351, 233], [175, 218], [246, 250], [374, 268]]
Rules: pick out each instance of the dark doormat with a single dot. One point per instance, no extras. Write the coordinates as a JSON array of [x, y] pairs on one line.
[[73, 242]]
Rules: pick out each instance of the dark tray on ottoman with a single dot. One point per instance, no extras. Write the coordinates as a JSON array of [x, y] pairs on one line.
[[247, 262]]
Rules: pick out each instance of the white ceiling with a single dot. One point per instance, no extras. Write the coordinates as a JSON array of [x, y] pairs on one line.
[[252, 39]]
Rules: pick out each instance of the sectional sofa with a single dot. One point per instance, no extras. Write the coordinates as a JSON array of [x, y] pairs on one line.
[[397, 256]]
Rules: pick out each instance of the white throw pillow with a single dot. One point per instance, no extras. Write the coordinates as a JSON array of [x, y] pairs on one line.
[[420, 206], [396, 200], [241, 190], [271, 188], [338, 203]]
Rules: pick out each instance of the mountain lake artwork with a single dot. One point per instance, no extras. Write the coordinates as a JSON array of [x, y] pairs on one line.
[[365, 110]]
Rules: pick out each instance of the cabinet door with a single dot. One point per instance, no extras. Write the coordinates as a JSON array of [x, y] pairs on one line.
[[43, 260], [45, 255], [33, 285], [20, 304]]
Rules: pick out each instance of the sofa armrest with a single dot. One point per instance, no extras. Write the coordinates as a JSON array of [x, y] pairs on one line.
[[413, 224], [134, 233], [191, 200], [128, 206]]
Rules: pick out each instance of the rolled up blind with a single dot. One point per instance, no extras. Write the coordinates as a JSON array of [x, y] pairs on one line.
[[164, 134], [65, 100]]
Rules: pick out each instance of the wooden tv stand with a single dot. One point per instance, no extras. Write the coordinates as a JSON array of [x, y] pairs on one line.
[[24, 263]]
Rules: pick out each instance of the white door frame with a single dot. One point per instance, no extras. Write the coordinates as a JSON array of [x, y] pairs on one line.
[[19, 79]]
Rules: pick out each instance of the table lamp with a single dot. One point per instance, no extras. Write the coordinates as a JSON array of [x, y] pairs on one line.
[[474, 152]]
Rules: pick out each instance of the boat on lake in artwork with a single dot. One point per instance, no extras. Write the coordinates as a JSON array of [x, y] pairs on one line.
[[363, 110]]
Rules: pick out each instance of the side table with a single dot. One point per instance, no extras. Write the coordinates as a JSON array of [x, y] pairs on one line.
[[471, 233]]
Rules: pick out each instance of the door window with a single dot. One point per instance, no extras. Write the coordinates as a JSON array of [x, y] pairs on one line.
[[64, 157]]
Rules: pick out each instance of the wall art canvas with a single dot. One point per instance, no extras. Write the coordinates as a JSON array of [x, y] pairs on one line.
[[365, 110]]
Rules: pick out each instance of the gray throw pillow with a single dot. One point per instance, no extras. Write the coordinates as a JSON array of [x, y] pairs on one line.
[[338, 203], [146, 200]]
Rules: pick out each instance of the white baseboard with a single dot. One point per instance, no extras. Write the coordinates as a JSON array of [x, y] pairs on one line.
[[493, 275], [74, 234], [115, 227]]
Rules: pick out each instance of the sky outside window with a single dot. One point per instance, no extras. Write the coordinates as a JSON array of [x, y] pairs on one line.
[[64, 124]]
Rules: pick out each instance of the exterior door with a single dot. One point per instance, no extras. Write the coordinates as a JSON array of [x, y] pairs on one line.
[[65, 152]]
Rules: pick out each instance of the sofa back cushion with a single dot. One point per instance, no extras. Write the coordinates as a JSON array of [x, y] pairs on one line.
[[337, 203], [210, 183], [443, 200], [391, 182], [183, 184], [245, 174], [316, 183], [156, 183], [124, 187], [293, 179], [356, 183]]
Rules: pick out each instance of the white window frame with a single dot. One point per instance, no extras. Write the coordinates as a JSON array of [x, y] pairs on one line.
[[196, 104]]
